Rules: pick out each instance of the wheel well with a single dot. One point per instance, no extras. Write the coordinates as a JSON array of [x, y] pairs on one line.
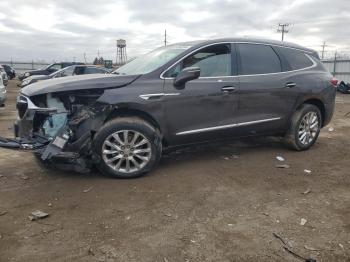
[[132, 112], [122, 112], [320, 106]]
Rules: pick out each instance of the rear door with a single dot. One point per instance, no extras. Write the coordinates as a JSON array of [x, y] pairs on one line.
[[265, 97], [207, 106]]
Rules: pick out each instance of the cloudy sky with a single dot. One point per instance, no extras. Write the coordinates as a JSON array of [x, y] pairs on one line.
[[66, 29]]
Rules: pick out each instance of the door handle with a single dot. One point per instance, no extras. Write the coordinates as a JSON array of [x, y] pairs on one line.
[[227, 89], [290, 85]]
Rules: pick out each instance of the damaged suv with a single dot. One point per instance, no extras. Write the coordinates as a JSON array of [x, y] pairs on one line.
[[175, 95]]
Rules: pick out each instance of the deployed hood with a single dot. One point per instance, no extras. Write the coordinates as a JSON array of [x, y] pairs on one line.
[[81, 82]]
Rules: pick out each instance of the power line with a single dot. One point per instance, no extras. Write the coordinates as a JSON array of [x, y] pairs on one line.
[[283, 28]]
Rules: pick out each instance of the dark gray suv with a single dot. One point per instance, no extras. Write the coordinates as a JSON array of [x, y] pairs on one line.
[[176, 95]]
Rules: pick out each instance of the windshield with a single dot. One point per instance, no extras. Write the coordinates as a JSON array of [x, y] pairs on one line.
[[45, 67], [62, 71], [151, 61]]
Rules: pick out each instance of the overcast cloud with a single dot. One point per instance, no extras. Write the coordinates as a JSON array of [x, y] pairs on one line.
[[66, 29]]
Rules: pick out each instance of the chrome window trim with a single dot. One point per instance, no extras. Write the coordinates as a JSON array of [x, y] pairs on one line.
[[241, 42], [201, 130]]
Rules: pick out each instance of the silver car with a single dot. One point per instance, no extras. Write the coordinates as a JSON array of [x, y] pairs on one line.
[[2, 92], [3, 76]]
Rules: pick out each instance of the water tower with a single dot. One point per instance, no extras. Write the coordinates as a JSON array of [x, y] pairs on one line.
[[121, 52]]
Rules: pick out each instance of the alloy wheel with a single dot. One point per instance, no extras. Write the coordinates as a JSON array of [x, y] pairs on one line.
[[126, 151], [308, 128]]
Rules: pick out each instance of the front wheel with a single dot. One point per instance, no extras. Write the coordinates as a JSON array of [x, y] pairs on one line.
[[305, 127], [127, 147]]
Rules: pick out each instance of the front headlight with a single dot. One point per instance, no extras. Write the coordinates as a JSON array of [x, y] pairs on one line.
[[27, 74]]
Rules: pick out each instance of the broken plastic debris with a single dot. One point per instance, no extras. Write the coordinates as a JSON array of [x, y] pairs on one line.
[[280, 158], [283, 166], [341, 246], [87, 190], [24, 177], [307, 171], [307, 191], [35, 215], [303, 221], [331, 129]]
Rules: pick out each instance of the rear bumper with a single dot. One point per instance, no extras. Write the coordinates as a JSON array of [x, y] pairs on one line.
[[329, 111]]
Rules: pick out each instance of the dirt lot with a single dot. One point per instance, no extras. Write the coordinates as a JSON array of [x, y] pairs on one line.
[[218, 202]]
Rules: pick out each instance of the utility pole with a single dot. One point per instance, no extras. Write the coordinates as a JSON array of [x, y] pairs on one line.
[[98, 53], [335, 63], [283, 28], [323, 46], [165, 38], [85, 57]]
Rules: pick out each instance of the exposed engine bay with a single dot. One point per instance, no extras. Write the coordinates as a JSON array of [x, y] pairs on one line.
[[59, 126]]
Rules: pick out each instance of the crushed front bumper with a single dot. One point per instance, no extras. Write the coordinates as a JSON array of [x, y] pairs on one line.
[[27, 139], [69, 148]]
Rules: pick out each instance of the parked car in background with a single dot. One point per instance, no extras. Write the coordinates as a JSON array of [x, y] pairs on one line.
[[10, 71], [175, 95], [3, 76], [2, 92], [47, 70], [68, 71]]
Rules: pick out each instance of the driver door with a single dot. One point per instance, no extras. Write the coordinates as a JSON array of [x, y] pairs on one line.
[[206, 107]]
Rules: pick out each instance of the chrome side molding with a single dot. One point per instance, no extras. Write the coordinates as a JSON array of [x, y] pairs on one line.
[[226, 126]]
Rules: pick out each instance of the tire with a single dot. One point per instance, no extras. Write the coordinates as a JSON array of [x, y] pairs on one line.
[[137, 158], [294, 136]]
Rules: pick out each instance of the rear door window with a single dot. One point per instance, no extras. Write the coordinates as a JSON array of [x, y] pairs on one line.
[[258, 59], [295, 58]]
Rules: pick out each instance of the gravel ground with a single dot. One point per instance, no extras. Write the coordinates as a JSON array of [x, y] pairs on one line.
[[217, 202]]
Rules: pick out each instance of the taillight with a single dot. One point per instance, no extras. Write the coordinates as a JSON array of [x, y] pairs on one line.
[[334, 82]]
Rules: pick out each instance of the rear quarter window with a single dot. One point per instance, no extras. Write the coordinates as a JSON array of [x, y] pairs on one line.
[[295, 58]]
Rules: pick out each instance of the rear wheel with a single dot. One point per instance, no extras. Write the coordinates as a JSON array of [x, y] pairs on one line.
[[305, 127], [127, 147]]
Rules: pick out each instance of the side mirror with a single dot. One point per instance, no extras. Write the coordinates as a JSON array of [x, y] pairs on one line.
[[187, 74]]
